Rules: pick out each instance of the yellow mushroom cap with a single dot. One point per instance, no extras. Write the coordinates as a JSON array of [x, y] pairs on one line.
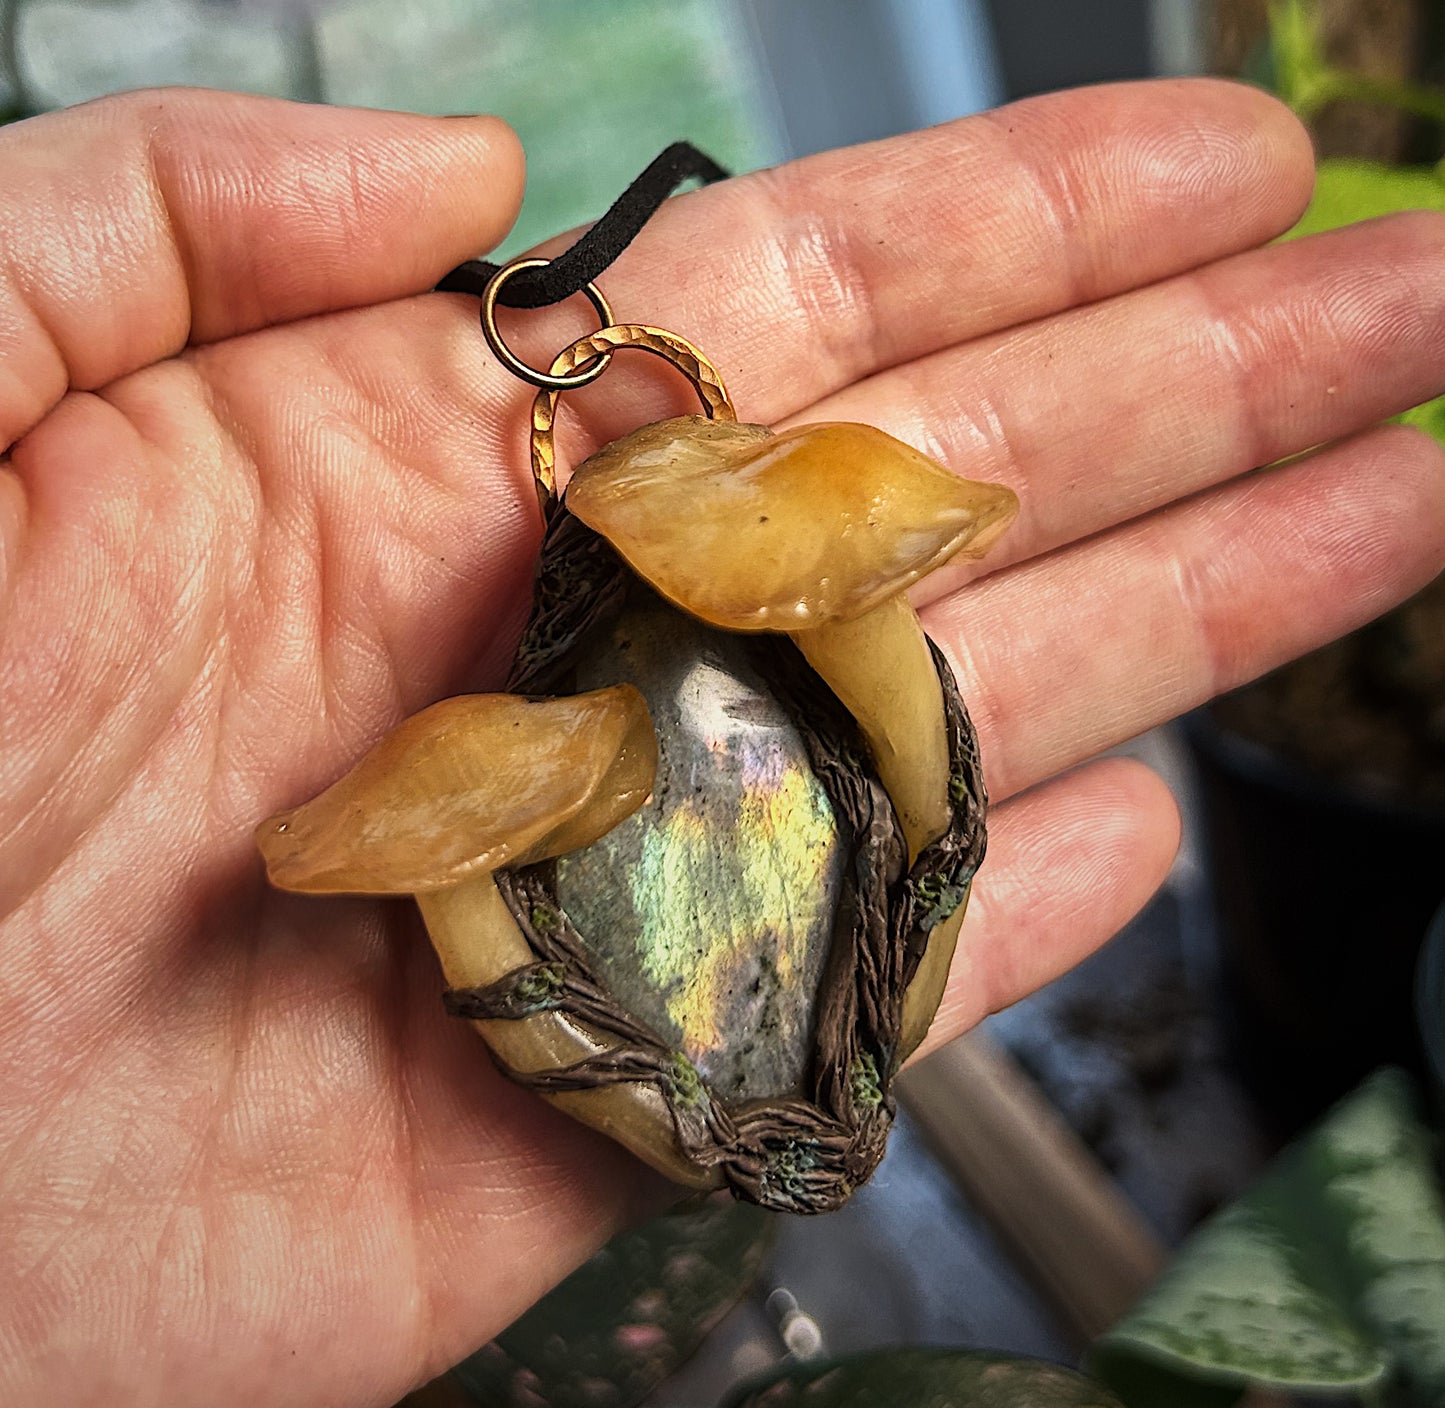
[[470, 785], [751, 531]]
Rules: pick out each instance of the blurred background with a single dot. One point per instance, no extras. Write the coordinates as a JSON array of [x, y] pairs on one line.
[[753, 81], [1044, 1171]]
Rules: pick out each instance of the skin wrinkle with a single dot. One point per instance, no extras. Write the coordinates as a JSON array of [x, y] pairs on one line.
[[1191, 580], [173, 231], [27, 377], [150, 1309], [233, 190], [126, 708], [370, 416], [262, 528], [29, 1131], [116, 975], [14, 516], [39, 806], [1245, 347], [122, 244], [426, 1310], [1057, 204], [352, 419], [1166, 176], [332, 678], [830, 286], [61, 1142]]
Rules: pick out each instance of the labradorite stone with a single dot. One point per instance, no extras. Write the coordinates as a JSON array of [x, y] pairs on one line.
[[709, 912]]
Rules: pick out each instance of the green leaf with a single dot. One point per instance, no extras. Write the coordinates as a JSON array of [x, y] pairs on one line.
[[1301, 75], [1430, 418], [1329, 1275], [1304, 78], [611, 1332], [1348, 190], [926, 1378]]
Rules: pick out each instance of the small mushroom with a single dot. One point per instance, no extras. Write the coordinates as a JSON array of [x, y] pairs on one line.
[[751, 531], [466, 787]]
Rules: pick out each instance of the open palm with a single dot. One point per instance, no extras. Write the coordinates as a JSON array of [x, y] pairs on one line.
[[265, 496]]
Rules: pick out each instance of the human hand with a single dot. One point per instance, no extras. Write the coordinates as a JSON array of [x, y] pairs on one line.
[[261, 503]]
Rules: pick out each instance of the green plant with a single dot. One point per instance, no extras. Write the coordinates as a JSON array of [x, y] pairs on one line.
[[1366, 710], [1327, 1277], [1348, 191], [1304, 78]]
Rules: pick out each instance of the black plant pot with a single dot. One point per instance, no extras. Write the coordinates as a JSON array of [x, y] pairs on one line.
[[1323, 896], [1430, 1005]]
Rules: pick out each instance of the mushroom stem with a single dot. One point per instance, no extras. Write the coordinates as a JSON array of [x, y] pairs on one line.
[[925, 992], [880, 667], [478, 942]]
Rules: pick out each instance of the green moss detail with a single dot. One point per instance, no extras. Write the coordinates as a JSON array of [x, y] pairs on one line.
[[684, 1084], [958, 792], [546, 919], [863, 1083], [783, 1180], [934, 899], [539, 989]]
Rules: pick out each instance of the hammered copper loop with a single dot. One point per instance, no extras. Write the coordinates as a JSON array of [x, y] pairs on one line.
[[677, 351], [514, 363]]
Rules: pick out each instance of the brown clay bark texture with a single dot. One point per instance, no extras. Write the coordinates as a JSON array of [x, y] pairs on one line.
[[796, 1154]]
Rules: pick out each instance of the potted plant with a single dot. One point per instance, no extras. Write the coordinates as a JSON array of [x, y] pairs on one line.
[[1323, 784]]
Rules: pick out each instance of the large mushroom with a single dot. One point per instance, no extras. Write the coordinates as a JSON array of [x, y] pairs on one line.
[[816, 533]]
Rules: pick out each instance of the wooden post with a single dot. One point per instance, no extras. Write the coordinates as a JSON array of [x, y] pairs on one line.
[[1074, 1234]]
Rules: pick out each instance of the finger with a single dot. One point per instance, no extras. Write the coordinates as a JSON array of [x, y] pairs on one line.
[[137, 223], [1069, 654], [1111, 411], [883, 252], [799, 280], [1069, 864]]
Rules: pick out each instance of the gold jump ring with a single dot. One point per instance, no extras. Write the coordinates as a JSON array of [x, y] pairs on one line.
[[689, 360], [548, 380]]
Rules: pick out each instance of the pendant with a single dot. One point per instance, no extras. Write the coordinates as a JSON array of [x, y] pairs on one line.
[[698, 876]]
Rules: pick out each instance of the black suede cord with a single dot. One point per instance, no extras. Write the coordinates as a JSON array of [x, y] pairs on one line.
[[572, 270]]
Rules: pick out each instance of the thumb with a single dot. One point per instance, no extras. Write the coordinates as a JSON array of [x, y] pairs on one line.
[[138, 223]]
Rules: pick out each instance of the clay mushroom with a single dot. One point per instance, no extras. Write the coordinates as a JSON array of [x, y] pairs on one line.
[[452, 795], [816, 533]]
